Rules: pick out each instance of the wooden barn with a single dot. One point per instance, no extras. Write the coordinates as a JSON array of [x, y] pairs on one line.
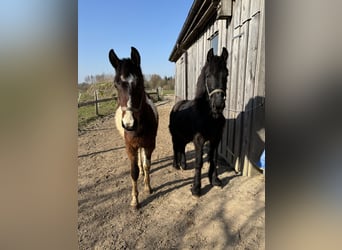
[[238, 25]]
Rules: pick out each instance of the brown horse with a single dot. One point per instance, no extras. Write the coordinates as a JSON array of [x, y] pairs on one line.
[[137, 118]]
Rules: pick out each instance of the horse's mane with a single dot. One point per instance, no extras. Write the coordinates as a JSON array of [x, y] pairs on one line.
[[200, 88]]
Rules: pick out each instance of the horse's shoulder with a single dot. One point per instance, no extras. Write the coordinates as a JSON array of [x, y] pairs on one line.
[[152, 106], [182, 105]]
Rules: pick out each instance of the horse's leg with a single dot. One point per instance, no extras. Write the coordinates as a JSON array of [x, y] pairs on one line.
[[146, 162], [179, 159], [212, 174], [199, 142], [133, 156], [183, 164], [140, 160], [175, 155]]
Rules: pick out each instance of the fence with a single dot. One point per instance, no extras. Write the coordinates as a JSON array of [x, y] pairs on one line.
[[96, 100]]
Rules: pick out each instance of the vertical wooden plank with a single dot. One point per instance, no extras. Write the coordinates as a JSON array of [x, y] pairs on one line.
[[223, 42], [192, 72], [180, 80], [260, 78], [229, 45], [176, 80], [243, 53], [189, 73], [250, 69], [224, 36], [220, 36], [240, 81], [233, 78], [232, 87], [257, 136]]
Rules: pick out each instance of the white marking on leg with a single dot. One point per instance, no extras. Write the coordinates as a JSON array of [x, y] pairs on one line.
[[140, 161], [135, 193], [147, 165]]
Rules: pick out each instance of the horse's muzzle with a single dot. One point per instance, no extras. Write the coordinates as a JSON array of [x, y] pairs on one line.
[[217, 104], [129, 128]]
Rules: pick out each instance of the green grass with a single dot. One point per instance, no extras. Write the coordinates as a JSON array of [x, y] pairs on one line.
[[168, 92], [87, 114]]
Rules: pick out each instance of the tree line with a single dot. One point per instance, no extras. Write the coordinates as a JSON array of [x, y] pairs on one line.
[[152, 81]]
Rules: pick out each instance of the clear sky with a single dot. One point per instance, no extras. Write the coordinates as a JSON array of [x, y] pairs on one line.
[[151, 26]]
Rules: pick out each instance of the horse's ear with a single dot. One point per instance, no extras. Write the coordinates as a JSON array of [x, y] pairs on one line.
[[224, 54], [210, 54], [113, 58], [135, 56]]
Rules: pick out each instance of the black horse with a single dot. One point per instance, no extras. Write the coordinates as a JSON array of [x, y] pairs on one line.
[[201, 119]]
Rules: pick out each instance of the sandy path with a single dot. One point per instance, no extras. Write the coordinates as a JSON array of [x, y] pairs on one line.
[[229, 218]]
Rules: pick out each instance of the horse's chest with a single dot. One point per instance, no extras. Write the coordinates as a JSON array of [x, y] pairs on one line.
[[211, 128], [136, 141]]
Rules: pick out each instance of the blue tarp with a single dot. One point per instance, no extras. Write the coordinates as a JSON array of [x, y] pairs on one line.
[[262, 163]]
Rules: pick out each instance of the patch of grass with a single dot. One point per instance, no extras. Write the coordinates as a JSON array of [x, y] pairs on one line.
[[168, 92], [87, 114]]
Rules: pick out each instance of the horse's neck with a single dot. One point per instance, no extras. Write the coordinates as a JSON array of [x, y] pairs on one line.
[[200, 86], [201, 94], [201, 99]]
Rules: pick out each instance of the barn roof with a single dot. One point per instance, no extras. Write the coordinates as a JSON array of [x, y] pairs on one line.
[[200, 12]]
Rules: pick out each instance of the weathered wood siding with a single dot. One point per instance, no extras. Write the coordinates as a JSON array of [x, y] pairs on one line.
[[244, 36]]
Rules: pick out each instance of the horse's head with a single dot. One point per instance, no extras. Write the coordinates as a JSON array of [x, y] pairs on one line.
[[129, 83], [215, 81]]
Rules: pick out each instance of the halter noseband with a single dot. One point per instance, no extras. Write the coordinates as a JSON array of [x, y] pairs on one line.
[[214, 91]]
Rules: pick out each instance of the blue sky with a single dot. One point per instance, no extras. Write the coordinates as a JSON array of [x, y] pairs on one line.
[[151, 26]]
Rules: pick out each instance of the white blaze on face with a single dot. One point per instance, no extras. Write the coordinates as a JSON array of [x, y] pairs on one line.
[[130, 79], [127, 119]]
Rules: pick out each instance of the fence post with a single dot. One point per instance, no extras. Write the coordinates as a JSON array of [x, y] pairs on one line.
[[96, 103]]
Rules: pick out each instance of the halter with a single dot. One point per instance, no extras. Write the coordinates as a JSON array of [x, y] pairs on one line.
[[214, 91]]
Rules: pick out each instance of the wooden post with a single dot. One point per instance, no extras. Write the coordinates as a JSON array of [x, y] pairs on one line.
[[158, 94], [96, 103]]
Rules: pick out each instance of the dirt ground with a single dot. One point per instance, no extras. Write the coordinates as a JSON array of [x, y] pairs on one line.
[[170, 218]]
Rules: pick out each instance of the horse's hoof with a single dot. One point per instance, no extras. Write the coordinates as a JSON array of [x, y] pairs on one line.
[[175, 167], [196, 192], [135, 206], [183, 167], [135, 203], [216, 183]]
